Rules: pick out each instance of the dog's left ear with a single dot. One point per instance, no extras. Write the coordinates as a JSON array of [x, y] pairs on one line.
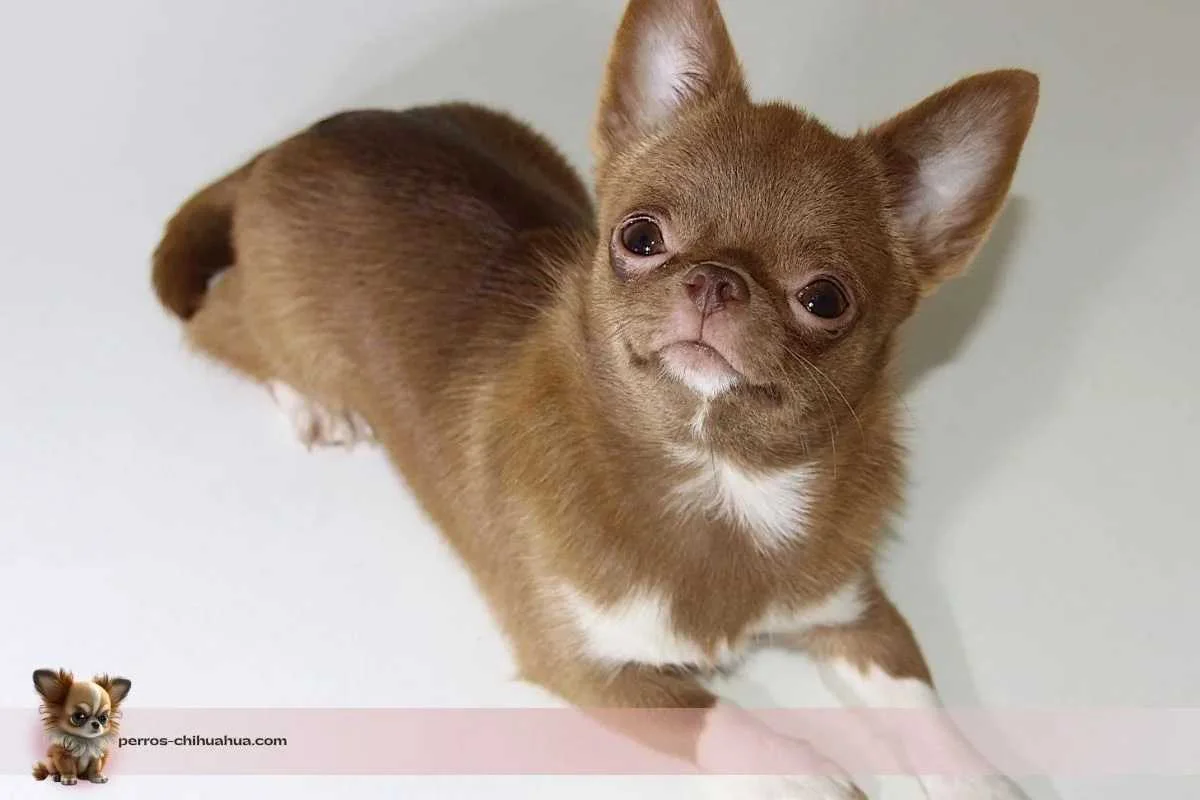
[[117, 688], [950, 161]]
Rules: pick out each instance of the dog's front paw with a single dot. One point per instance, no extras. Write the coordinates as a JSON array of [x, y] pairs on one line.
[[982, 787], [98, 778], [734, 742], [316, 425], [68, 780], [778, 787]]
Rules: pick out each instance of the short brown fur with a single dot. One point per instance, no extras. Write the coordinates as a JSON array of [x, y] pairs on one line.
[[443, 272]]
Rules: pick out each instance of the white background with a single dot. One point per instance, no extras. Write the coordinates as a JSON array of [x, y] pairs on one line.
[[158, 521]]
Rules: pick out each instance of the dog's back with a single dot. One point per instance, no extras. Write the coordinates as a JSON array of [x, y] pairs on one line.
[[345, 253], [660, 437]]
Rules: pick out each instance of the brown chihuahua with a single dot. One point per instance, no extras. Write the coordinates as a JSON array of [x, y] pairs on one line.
[[82, 719], [658, 429]]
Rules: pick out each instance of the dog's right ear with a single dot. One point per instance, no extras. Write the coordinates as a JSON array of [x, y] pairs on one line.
[[52, 686], [668, 56]]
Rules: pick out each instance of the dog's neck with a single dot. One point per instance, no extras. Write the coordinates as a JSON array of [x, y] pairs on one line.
[[80, 746]]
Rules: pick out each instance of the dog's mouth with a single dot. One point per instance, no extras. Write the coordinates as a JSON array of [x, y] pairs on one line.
[[89, 734], [86, 733], [700, 366], [698, 358]]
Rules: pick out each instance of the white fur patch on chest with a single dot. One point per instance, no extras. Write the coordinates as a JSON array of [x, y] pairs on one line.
[[84, 750], [772, 505], [639, 628]]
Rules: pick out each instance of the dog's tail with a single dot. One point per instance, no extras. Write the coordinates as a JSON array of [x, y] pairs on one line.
[[40, 771], [197, 244]]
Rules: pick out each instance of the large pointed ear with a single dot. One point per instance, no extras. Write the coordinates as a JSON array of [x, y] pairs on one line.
[[117, 688], [951, 160], [52, 685], [668, 55]]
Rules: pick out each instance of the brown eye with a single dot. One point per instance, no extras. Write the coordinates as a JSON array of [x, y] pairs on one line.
[[102, 719], [78, 718], [825, 299], [643, 237]]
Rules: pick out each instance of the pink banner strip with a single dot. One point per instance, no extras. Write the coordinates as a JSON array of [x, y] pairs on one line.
[[1076, 743]]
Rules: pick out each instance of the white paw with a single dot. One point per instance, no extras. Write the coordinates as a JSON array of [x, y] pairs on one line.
[[981, 787], [316, 425], [778, 787], [733, 741]]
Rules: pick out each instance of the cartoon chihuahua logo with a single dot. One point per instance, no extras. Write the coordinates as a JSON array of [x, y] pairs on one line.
[[81, 720]]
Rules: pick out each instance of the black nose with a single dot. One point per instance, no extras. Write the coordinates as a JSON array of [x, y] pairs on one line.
[[95, 725], [711, 287]]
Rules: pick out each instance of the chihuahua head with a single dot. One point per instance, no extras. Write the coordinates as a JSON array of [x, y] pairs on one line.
[[753, 265], [85, 709]]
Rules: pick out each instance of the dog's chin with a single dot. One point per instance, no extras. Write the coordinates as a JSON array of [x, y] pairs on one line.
[[701, 368]]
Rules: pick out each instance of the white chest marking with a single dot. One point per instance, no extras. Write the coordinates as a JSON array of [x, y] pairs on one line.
[[639, 627], [772, 506], [84, 750]]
